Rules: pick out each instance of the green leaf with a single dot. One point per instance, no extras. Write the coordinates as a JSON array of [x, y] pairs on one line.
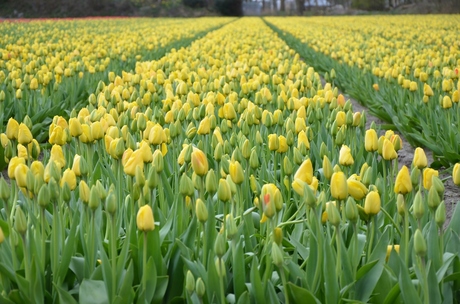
[[239, 273], [368, 280], [330, 276], [162, 284], [408, 292], [77, 265], [433, 286], [448, 258], [244, 298], [93, 292], [64, 295], [151, 281], [257, 289], [300, 295], [126, 294]]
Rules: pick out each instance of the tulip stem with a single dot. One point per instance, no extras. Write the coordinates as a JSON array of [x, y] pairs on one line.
[[205, 247], [222, 289], [424, 279], [144, 263], [283, 279], [371, 237], [406, 237], [42, 220], [339, 251], [319, 238], [113, 247]]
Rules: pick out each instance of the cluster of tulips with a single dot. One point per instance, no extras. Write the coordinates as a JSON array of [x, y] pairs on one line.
[[49, 67], [406, 70], [223, 172]]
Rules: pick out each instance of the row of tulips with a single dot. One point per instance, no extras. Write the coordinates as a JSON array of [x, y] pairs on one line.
[[225, 173], [406, 72], [47, 68]]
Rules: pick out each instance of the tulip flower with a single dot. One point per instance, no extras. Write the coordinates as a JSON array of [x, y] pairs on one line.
[[371, 141], [135, 160], [236, 172], [356, 189], [403, 184], [388, 150], [339, 186], [205, 126], [340, 118], [456, 174], [12, 129], [372, 203], [20, 175], [14, 162], [57, 136], [144, 220], [345, 157], [69, 177], [303, 139], [446, 102], [305, 172], [273, 142], [390, 248], [199, 162], [427, 177], [283, 147], [24, 134], [420, 161], [57, 155], [427, 91], [268, 197]]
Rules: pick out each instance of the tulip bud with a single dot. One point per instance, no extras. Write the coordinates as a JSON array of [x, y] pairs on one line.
[[333, 214], [230, 226], [419, 244], [351, 210], [356, 189], [190, 282], [438, 185], [273, 142], [388, 150], [94, 198], [4, 190], [111, 202], [277, 255], [144, 220], [372, 203], [219, 245], [20, 222], [199, 162], [200, 288], [419, 209], [415, 176], [287, 166], [24, 134], [433, 198], [440, 215], [345, 157], [201, 211]]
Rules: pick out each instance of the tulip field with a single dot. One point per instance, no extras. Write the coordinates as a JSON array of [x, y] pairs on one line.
[[215, 160]]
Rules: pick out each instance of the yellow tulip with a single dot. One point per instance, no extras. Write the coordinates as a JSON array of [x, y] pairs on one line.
[[135, 160], [391, 248], [305, 172], [205, 126], [229, 111], [371, 141], [283, 147], [69, 177], [12, 129], [267, 197], [86, 136], [236, 172], [345, 157], [97, 131], [144, 220], [75, 127], [339, 186], [37, 168], [356, 189], [146, 152], [428, 174], [157, 135], [302, 138], [199, 162], [57, 156], [24, 134], [20, 175], [372, 203], [420, 161], [403, 182], [340, 118], [22, 152], [273, 142], [57, 136], [446, 102], [14, 162], [456, 174], [388, 150], [427, 91]]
